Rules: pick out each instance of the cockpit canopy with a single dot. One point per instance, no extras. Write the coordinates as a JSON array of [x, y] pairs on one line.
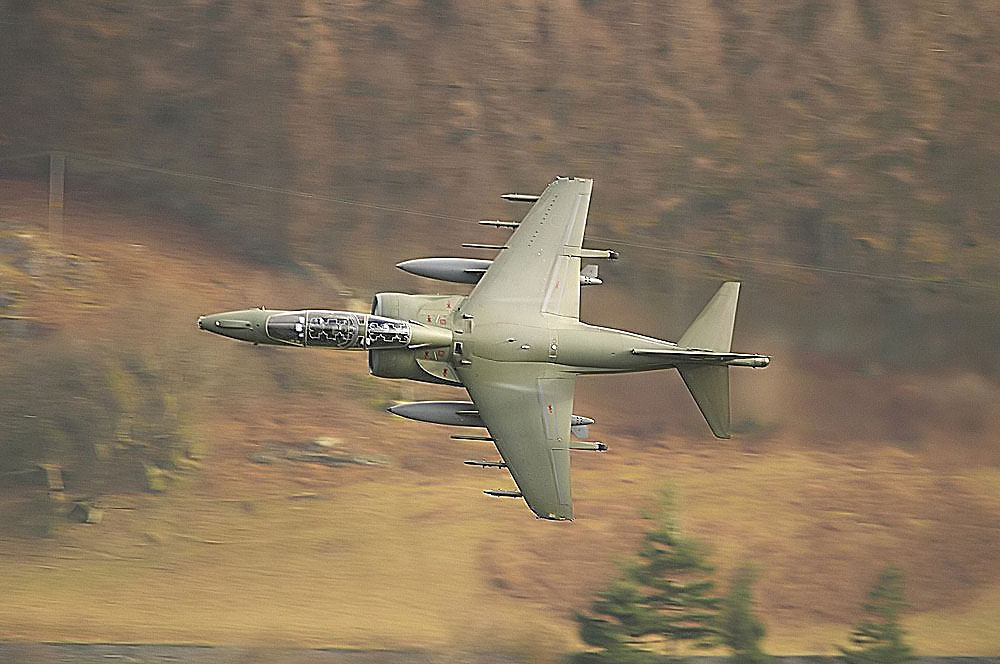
[[337, 329]]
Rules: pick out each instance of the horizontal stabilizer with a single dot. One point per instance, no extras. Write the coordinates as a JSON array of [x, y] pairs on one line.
[[709, 385]]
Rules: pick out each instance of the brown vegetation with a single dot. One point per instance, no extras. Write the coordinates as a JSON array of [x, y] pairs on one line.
[[838, 157], [407, 554]]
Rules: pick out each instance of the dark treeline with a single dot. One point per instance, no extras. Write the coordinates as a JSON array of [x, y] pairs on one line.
[[852, 136]]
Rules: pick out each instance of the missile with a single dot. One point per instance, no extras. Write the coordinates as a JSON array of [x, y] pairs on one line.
[[503, 493], [500, 224], [485, 464], [477, 245], [520, 198], [607, 254], [589, 447], [756, 361], [471, 270]]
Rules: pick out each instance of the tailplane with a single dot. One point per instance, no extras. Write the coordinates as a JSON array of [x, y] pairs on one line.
[[709, 385], [703, 357], [712, 331]]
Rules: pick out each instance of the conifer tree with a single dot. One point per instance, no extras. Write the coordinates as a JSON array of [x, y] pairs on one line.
[[741, 630], [879, 637], [665, 599], [617, 627]]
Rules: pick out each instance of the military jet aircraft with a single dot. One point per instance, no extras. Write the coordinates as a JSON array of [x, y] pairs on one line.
[[516, 343]]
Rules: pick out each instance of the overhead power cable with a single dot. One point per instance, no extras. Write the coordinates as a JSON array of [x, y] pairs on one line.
[[904, 278], [842, 272], [264, 187]]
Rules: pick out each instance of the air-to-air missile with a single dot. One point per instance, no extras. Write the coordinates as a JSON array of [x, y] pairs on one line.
[[519, 198], [503, 493], [484, 463]]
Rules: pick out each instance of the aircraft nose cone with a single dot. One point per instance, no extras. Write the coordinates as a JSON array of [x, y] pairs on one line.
[[246, 325], [209, 322]]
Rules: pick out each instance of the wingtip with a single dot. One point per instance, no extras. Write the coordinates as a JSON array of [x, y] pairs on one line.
[[555, 517]]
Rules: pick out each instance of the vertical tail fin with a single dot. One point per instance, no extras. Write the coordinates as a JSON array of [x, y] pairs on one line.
[[709, 384], [713, 328]]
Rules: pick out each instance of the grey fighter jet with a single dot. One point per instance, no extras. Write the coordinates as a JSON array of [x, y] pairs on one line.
[[516, 343]]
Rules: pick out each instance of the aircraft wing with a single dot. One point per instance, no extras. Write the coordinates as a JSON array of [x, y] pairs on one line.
[[539, 270], [527, 407]]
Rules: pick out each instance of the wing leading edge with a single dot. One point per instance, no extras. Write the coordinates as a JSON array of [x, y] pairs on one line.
[[538, 271]]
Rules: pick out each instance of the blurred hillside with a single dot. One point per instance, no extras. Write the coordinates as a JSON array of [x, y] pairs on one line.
[[833, 473], [850, 137], [838, 157]]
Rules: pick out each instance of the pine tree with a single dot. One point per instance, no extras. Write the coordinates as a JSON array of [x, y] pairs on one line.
[[621, 623], [741, 629], [664, 599], [879, 636]]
